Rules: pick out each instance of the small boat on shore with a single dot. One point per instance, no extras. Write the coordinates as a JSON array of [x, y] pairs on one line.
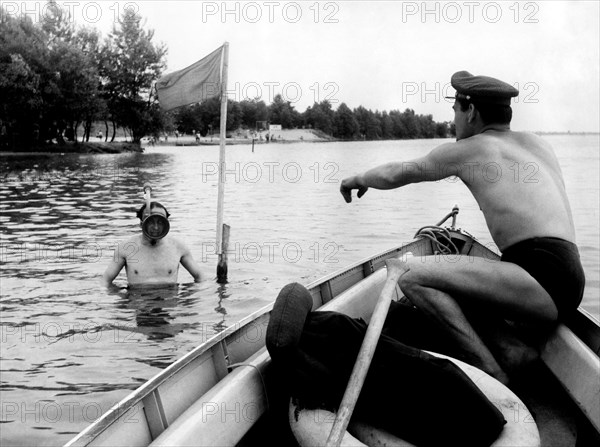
[[219, 393]]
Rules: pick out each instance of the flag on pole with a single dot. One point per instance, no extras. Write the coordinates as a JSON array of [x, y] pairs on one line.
[[193, 84]]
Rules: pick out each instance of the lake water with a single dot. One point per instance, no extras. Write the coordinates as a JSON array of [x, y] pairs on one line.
[[71, 349]]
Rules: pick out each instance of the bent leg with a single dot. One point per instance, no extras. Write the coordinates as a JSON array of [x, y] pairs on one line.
[[447, 312], [499, 287], [441, 286]]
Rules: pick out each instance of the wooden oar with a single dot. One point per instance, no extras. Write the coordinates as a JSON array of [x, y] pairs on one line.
[[395, 267]]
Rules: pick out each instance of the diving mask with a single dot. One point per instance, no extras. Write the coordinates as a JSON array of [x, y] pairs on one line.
[[155, 226]]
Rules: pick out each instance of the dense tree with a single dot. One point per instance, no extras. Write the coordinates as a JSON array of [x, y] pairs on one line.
[[209, 112], [252, 112], [427, 126], [345, 125], [282, 112], [398, 129], [25, 79], [320, 116], [132, 63], [366, 124], [187, 119], [205, 117], [88, 41], [410, 123], [47, 82], [442, 130], [57, 25], [19, 90], [387, 126], [369, 126]]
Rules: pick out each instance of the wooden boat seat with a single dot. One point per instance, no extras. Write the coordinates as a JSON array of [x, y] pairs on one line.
[[312, 427], [239, 398], [573, 364]]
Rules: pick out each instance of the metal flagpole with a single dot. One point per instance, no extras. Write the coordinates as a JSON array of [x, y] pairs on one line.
[[222, 232]]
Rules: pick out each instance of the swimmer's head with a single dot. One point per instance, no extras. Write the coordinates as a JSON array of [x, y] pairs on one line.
[[154, 222]]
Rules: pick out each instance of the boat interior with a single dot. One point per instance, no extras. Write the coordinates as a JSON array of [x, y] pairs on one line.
[[225, 392]]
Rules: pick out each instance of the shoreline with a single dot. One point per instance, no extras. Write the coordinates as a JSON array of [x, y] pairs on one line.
[[286, 136], [246, 137], [94, 147]]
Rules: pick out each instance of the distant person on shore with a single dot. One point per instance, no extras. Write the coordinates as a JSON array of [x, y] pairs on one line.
[[517, 182], [151, 258]]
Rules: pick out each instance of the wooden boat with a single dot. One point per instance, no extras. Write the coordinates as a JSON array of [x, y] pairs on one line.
[[218, 394]]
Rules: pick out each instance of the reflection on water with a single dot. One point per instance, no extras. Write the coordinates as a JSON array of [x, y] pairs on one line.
[[71, 349], [153, 311], [219, 326]]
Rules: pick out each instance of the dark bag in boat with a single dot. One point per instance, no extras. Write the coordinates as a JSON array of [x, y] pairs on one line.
[[422, 399]]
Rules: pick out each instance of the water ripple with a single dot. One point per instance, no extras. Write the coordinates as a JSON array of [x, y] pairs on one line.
[[66, 340]]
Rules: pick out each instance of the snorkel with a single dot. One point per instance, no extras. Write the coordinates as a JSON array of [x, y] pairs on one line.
[[155, 226]]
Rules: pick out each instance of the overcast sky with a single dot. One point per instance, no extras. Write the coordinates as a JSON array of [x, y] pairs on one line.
[[386, 55]]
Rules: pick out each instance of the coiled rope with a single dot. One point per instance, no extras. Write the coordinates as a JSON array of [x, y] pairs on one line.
[[440, 237]]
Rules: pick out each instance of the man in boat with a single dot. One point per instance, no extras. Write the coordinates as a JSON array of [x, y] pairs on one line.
[[151, 258], [517, 182]]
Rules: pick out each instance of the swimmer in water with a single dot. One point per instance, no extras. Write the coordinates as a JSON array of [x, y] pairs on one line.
[[151, 258]]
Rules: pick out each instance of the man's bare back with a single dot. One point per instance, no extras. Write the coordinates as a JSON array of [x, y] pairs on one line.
[[517, 182]]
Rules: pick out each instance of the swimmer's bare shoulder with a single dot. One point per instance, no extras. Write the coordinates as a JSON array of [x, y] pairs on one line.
[[128, 248], [186, 258]]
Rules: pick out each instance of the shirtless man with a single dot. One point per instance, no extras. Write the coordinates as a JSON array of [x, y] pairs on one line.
[[518, 184], [151, 258]]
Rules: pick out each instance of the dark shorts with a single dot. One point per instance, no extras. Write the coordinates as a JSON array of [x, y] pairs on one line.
[[554, 263]]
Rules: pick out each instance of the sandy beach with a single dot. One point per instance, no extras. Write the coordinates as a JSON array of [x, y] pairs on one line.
[[245, 137]]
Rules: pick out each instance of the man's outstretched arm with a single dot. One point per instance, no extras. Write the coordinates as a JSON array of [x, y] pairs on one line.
[[395, 174]]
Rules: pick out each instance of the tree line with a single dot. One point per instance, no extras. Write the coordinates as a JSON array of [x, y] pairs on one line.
[[58, 81], [342, 123]]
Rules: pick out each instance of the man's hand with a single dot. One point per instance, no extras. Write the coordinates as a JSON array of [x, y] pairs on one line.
[[350, 183]]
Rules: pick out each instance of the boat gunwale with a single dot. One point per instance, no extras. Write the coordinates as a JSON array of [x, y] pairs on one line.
[[114, 413], [138, 395]]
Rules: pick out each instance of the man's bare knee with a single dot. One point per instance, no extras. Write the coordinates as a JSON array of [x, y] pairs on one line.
[[405, 281], [410, 285]]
